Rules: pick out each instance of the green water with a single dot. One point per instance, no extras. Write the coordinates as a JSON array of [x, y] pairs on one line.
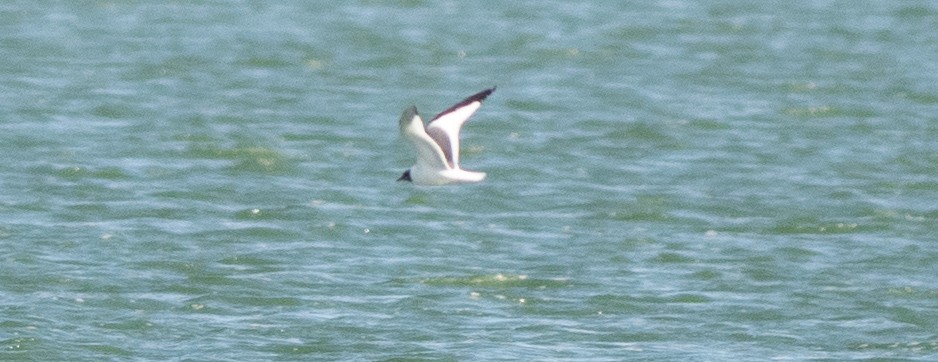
[[667, 180]]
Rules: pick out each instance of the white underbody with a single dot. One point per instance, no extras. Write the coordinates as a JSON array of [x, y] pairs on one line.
[[421, 175]]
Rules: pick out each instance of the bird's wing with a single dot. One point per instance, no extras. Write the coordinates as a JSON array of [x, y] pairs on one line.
[[444, 128], [428, 151]]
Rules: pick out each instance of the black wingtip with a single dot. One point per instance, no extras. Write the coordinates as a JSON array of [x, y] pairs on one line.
[[478, 97], [475, 97], [405, 176]]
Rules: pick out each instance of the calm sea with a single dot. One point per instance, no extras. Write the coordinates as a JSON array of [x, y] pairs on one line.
[[667, 180]]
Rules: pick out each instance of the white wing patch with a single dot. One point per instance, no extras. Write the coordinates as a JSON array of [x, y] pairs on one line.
[[429, 153], [445, 130]]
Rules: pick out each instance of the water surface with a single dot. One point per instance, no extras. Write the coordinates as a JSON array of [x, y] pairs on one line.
[[667, 180]]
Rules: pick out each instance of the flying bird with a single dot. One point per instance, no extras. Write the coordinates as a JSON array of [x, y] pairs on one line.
[[437, 144]]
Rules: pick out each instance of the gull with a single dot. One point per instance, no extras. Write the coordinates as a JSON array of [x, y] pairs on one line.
[[437, 144]]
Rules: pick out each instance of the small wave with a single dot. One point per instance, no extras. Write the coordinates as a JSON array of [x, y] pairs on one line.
[[497, 280]]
